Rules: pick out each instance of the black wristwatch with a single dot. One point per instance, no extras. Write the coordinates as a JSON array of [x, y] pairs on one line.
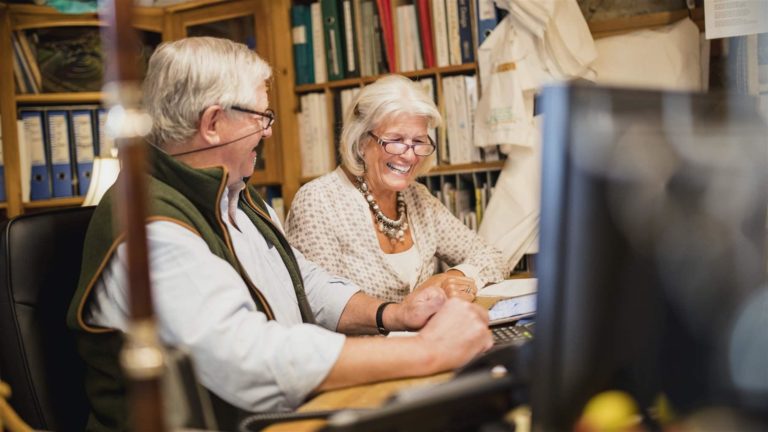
[[380, 318]]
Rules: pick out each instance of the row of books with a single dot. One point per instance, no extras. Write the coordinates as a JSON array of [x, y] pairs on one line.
[[456, 144], [336, 39], [314, 135], [57, 145], [465, 195], [58, 59], [454, 138], [26, 72]]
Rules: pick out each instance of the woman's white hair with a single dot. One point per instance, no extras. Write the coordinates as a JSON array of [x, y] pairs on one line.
[[389, 97], [187, 76]]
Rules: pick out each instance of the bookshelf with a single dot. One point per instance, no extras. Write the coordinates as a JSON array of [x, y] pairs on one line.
[[243, 20], [331, 88], [271, 30]]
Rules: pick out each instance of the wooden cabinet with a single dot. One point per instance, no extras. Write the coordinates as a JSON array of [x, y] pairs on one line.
[[246, 21]]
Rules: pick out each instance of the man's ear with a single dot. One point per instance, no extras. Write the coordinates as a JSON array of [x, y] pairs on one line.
[[210, 122]]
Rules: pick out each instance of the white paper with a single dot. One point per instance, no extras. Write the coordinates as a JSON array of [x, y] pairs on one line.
[[727, 18], [666, 58], [510, 288]]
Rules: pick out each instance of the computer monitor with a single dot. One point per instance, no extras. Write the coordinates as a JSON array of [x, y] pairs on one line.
[[653, 236]]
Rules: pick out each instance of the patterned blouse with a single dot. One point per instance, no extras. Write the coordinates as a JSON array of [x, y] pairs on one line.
[[330, 223]]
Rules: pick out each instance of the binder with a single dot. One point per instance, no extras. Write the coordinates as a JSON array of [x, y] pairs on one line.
[[318, 43], [486, 19], [61, 160], [334, 37], [440, 33], [301, 20], [351, 60], [83, 146], [34, 136], [106, 143], [465, 32], [384, 8], [454, 39], [425, 32]]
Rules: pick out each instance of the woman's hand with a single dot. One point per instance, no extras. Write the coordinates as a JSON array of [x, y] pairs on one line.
[[454, 284]]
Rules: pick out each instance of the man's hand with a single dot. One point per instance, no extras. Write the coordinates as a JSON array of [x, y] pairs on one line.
[[456, 333], [416, 309]]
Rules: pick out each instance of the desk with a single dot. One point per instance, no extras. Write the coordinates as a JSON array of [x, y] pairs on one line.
[[362, 396]]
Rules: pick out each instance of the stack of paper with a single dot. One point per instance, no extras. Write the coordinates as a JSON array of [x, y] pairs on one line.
[[510, 288]]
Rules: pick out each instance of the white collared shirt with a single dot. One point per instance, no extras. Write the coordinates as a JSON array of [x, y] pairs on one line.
[[202, 304]]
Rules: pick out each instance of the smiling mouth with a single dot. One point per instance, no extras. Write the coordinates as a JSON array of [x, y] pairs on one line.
[[404, 169]]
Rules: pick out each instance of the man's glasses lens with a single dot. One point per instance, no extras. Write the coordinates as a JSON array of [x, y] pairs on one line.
[[268, 117]]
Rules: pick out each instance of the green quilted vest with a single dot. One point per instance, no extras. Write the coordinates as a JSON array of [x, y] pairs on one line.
[[189, 197]]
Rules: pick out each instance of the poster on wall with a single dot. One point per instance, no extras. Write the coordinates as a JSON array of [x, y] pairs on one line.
[[727, 18]]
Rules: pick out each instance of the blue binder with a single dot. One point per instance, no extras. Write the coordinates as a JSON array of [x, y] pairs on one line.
[[34, 136], [465, 32], [83, 146], [303, 56], [486, 19], [61, 159]]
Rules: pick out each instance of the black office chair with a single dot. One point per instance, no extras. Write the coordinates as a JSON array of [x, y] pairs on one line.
[[39, 270]]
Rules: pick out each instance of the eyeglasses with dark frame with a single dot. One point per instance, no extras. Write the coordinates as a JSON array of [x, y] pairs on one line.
[[268, 116], [396, 147]]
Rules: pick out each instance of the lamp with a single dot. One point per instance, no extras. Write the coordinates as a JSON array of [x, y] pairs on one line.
[[104, 174]]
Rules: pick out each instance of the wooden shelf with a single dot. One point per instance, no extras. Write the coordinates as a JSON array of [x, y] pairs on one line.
[[56, 98], [467, 168], [55, 202], [3, 205], [359, 81], [171, 22], [445, 169], [611, 27]]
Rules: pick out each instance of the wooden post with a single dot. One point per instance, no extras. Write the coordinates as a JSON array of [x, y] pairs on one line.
[[142, 355]]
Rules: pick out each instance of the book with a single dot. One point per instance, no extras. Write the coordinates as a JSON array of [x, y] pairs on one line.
[[57, 122], [82, 125], [30, 59], [454, 40], [301, 36], [334, 38], [486, 19], [467, 48], [384, 8], [34, 136], [425, 32], [318, 43], [440, 33], [351, 59], [106, 142]]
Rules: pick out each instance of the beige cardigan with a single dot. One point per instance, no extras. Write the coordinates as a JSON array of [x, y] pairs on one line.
[[330, 223]]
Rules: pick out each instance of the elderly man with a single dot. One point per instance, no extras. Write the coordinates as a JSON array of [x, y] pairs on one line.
[[264, 326]]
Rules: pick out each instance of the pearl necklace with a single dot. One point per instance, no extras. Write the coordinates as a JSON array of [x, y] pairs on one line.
[[393, 229]]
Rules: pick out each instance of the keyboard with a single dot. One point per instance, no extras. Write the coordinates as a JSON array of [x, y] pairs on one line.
[[512, 333]]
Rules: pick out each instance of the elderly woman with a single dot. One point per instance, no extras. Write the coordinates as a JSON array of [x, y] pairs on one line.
[[370, 221]]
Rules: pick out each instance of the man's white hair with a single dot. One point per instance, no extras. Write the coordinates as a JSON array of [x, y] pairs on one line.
[[187, 76]]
